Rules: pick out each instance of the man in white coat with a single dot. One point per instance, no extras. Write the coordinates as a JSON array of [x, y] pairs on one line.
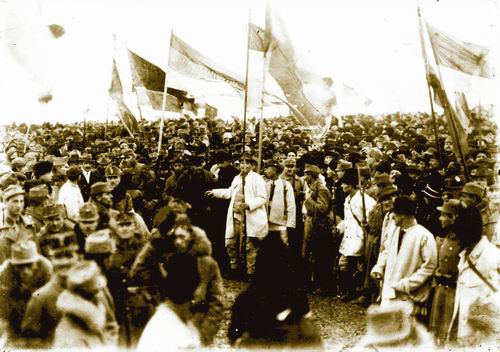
[[408, 260], [280, 201], [357, 206], [246, 222], [70, 194]]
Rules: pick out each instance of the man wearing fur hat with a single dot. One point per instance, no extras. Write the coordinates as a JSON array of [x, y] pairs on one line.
[[87, 317], [70, 194], [20, 276], [408, 260], [42, 173], [357, 206], [14, 225]]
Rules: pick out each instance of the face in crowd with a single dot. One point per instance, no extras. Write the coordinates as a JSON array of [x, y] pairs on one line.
[[15, 205], [88, 226], [55, 223], [113, 181], [245, 166]]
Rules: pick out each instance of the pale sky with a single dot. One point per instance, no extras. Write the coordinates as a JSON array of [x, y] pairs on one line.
[[372, 45]]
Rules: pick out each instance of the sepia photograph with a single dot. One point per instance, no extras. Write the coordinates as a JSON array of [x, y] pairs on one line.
[[249, 175]]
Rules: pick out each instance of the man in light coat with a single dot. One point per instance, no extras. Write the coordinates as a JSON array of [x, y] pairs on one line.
[[408, 259], [246, 222], [70, 194], [280, 201], [357, 206]]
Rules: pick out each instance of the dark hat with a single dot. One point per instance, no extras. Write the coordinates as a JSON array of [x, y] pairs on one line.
[[73, 171], [276, 165], [88, 212], [404, 205], [350, 177], [52, 210], [99, 187], [41, 168], [454, 183]]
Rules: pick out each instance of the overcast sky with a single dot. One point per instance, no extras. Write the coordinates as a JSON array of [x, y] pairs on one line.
[[371, 45]]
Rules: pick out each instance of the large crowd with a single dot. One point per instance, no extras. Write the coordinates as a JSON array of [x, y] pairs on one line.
[[107, 240]]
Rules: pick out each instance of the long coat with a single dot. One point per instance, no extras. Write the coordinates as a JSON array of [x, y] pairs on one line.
[[282, 207], [486, 257], [407, 272], [255, 197]]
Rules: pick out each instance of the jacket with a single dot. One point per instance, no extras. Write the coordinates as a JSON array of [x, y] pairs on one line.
[[407, 273], [281, 209], [470, 288], [9, 235], [255, 197]]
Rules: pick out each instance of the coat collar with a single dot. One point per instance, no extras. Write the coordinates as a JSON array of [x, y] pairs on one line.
[[478, 249]]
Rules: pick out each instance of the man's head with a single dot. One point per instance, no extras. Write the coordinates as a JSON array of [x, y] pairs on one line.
[[386, 197], [449, 211], [349, 181], [182, 233], [73, 173], [125, 224], [24, 257], [86, 161], [101, 194], [43, 171], [472, 193], [342, 167], [404, 210], [88, 218], [177, 166], [129, 158], [113, 176], [272, 170], [290, 166], [54, 217], [247, 163], [85, 278], [312, 173], [13, 197]]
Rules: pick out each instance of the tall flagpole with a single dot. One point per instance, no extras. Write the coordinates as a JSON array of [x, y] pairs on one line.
[[262, 98], [450, 110], [164, 101], [246, 85], [434, 124]]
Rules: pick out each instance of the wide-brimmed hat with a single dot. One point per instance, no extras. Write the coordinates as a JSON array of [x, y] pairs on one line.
[[24, 252], [388, 323], [88, 212], [474, 188], [386, 192], [52, 210], [450, 206], [103, 160], [11, 191]]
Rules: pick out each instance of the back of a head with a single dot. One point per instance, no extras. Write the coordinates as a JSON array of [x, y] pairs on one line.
[[182, 278], [468, 225]]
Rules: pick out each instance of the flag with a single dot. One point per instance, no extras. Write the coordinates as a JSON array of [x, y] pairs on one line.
[[462, 56], [116, 92], [185, 59], [462, 108], [309, 96]]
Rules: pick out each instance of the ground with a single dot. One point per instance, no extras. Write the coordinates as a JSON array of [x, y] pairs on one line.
[[340, 324]]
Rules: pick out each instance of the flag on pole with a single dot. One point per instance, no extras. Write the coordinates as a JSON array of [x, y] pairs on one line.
[[116, 92], [459, 55], [309, 96]]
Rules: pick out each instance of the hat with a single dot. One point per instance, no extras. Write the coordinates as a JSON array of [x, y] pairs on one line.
[[312, 168], [51, 210], [276, 165], [18, 163], [473, 188], [382, 179], [11, 191], [350, 177], [389, 323], [386, 192], [431, 192], [99, 187], [248, 157], [450, 206], [404, 205], [85, 272], [86, 158], [454, 183], [112, 170], [41, 168], [40, 191], [104, 160], [88, 212], [99, 242], [124, 217], [73, 171], [8, 179], [61, 161], [24, 252], [343, 165]]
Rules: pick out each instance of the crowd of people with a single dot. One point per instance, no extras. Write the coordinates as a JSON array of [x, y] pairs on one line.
[[108, 240]]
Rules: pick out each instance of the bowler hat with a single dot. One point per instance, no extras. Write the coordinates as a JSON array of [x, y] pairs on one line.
[[404, 205], [24, 252]]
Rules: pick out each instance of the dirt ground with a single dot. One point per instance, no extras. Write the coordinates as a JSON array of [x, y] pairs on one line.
[[341, 324]]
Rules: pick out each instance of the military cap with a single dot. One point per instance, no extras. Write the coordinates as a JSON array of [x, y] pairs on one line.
[[431, 192], [124, 217], [40, 191], [11, 191], [88, 212], [112, 170], [343, 165], [450, 206], [99, 187], [475, 189], [8, 179], [99, 242], [51, 210], [387, 191], [312, 168]]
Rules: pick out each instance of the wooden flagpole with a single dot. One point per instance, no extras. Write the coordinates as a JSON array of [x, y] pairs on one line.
[[164, 100]]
